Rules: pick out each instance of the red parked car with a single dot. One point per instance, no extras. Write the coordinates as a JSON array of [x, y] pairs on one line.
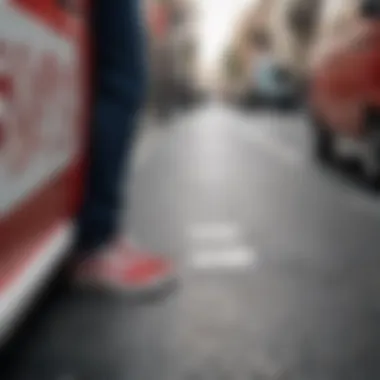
[[344, 100]]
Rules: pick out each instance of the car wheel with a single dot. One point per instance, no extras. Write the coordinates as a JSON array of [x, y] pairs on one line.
[[286, 104], [371, 164], [324, 142]]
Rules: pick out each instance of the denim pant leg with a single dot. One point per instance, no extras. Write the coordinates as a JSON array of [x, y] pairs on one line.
[[119, 87]]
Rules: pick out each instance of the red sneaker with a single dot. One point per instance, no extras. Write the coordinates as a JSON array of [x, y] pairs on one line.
[[122, 268]]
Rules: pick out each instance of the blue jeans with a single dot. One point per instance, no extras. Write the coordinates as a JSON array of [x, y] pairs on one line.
[[119, 89]]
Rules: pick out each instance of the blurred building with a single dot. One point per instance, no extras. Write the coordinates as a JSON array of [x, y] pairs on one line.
[[172, 51], [290, 26], [183, 38], [293, 25], [338, 19], [241, 52]]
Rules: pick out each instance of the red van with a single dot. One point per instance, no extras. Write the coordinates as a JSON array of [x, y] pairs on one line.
[[344, 101], [43, 87]]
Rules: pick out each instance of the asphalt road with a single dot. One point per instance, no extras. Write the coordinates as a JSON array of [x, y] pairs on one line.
[[278, 260]]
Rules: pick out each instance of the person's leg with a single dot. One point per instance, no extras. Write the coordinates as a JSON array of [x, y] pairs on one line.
[[119, 91]]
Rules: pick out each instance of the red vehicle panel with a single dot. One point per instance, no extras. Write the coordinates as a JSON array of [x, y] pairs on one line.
[[345, 96], [346, 82], [43, 99]]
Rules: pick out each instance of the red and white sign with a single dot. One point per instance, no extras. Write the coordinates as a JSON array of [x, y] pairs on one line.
[[42, 117]]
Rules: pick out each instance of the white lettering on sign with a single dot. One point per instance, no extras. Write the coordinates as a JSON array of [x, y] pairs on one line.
[[39, 105], [225, 257]]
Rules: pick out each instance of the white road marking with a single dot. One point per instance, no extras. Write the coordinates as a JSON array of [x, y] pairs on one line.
[[218, 245], [234, 257]]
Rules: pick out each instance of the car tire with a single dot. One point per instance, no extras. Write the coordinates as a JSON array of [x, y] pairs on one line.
[[286, 104], [324, 141], [371, 164]]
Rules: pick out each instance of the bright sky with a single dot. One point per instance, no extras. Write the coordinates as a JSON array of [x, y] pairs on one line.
[[217, 20]]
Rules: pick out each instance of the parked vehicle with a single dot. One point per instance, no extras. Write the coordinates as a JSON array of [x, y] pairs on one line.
[[270, 84], [43, 88], [344, 98]]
